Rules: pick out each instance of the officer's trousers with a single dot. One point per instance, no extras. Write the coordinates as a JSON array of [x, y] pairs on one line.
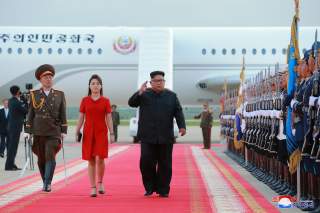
[[206, 133], [13, 142], [46, 148]]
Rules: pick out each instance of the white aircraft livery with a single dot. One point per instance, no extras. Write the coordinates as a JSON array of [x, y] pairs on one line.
[[202, 58]]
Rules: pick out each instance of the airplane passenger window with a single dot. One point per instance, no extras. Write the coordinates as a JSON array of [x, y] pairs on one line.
[[273, 51], [284, 51], [39, 51], [79, 51], [19, 50], [89, 51], [29, 50], [49, 51], [233, 51], [244, 51], [224, 51], [254, 51], [203, 85], [0, 50], [213, 51], [204, 51], [99, 51], [59, 51], [263, 51], [70, 51], [9, 50]]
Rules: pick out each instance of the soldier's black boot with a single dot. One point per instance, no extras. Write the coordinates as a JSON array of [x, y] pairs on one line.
[[316, 208], [49, 171], [41, 170]]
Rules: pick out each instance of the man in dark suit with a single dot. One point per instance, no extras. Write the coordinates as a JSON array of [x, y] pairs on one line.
[[157, 109], [115, 121], [17, 112], [3, 127]]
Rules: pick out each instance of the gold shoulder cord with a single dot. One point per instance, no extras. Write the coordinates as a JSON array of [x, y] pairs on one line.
[[34, 103]]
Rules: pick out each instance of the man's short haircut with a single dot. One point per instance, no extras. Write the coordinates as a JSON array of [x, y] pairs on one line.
[[157, 72], [14, 90]]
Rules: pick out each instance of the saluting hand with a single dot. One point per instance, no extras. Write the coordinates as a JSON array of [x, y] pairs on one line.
[[182, 131], [143, 88]]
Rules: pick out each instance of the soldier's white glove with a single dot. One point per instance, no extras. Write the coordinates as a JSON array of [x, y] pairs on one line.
[[27, 135], [293, 102], [63, 136], [313, 100]]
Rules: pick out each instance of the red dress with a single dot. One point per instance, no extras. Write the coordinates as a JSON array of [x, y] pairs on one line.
[[95, 131]]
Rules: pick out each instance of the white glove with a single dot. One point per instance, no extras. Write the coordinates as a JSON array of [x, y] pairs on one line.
[[27, 135], [243, 125], [312, 100], [293, 102], [63, 136], [277, 114]]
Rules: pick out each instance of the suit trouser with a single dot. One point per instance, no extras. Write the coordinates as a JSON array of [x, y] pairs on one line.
[[13, 142], [115, 131], [156, 167], [3, 143], [206, 133]]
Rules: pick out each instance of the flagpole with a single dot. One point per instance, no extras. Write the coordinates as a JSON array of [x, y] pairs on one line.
[[299, 164]]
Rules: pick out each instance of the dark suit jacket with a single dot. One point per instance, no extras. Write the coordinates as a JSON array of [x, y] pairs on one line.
[[17, 113], [115, 118], [3, 122], [156, 114]]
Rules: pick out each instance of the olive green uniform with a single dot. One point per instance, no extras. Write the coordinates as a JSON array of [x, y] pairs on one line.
[[46, 121]]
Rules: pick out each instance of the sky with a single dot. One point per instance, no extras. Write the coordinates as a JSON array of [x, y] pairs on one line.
[[156, 13]]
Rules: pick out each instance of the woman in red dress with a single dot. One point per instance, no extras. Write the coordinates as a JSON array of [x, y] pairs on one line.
[[95, 113]]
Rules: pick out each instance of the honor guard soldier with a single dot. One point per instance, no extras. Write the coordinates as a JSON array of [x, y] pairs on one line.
[[47, 123]]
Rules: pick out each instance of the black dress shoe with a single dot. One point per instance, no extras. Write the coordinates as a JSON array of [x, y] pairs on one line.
[[163, 195], [148, 193], [316, 210], [11, 169], [15, 167], [47, 188]]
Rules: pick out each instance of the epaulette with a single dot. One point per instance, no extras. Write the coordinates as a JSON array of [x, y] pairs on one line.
[[35, 90], [56, 90]]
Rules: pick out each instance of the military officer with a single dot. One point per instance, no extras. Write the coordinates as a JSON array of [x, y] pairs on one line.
[[206, 124], [47, 122]]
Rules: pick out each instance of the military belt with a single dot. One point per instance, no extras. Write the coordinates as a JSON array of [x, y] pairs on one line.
[[42, 116]]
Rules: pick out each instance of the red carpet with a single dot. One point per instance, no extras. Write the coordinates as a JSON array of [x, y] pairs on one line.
[[124, 190], [253, 199]]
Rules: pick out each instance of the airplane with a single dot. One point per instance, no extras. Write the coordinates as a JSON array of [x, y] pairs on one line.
[[202, 58]]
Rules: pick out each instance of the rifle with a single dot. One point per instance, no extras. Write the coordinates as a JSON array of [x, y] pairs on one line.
[[275, 122]]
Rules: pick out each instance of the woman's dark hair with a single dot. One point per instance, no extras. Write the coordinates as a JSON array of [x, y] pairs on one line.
[[97, 77]]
